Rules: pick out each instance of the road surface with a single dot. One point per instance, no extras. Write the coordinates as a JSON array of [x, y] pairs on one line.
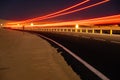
[[104, 55]]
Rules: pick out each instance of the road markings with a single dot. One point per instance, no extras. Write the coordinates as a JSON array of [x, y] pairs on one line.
[[86, 37], [95, 71], [115, 42], [93, 38], [99, 39]]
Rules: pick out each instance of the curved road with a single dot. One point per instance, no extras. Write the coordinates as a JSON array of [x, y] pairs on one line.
[[103, 55]]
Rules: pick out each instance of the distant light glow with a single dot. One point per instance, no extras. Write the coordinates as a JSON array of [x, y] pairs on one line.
[[18, 24], [31, 24], [76, 26]]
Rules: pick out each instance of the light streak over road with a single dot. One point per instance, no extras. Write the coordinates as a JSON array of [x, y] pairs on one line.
[[102, 20], [62, 12], [55, 13], [80, 9], [52, 14]]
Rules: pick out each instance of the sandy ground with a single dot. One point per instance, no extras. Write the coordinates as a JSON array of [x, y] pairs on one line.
[[27, 57]]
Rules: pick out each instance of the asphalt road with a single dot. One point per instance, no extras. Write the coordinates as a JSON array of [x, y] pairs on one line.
[[103, 55]]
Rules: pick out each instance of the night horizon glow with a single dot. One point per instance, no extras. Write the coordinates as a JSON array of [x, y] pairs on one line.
[[79, 7]]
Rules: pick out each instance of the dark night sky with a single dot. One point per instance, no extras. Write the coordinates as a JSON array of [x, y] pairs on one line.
[[25, 9]]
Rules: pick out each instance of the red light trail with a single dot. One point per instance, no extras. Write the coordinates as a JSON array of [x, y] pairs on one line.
[[52, 14], [103, 20], [75, 10], [56, 13], [62, 12]]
